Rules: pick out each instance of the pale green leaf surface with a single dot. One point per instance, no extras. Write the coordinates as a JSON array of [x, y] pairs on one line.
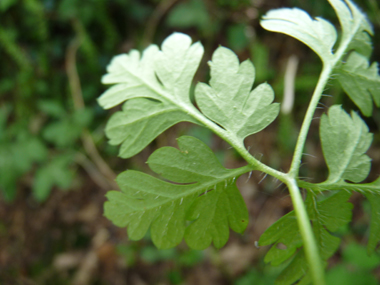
[[140, 122], [229, 101], [134, 77], [158, 83], [318, 34], [355, 26], [146, 201], [345, 139], [176, 65], [361, 82], [285, 232]]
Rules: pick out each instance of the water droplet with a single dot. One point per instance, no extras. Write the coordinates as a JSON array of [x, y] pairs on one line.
[[181, 201]]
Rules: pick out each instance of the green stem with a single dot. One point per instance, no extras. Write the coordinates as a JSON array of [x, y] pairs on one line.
[[309, 242], [323, 78]]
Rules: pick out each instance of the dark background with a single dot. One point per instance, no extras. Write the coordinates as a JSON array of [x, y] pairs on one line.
[[56, 165]]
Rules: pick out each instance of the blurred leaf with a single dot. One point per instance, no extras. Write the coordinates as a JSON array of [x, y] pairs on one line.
[[237, 37], [361, 82], [56, 172], [191, 257], [67, 130], [16, 159], [6, 4], [53, 108], [374, 234], [153, 255], [189, 14], [344, 275], [357, 255]]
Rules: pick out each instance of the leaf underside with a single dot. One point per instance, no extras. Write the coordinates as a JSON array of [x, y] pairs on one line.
[[201, 209], [345, 139], [156, 89], [229, 101], [361, 82]]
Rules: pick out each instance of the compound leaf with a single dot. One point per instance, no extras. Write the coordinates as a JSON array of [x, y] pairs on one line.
[[318, 34], [166, 208], [285, 233], [361, 82], [229, 101], [345, 139], [140, 122]]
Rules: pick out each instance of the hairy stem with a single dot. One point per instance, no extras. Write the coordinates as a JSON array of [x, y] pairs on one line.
[[323, 78]]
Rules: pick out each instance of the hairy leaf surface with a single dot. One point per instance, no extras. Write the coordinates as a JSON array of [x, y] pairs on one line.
[[285, 233], [345, 139], [209, 198], [361, 82], [229, 101]]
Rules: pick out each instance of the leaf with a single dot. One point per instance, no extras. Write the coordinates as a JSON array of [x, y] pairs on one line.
[[65, 131], [140, 122], [229, 101], [56, 172], [189, 14], [213, 213], [374, 234], [166, 208], [361, 82], [134, 77], [17, 158], [174, 66], [318, 34], [164, 76], [285, 233], [355, 26], [344, 142]]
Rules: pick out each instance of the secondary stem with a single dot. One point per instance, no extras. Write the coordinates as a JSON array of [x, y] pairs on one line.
[[323, 78]]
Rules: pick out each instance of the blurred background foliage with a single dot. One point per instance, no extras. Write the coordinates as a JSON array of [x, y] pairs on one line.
[[52, 56]]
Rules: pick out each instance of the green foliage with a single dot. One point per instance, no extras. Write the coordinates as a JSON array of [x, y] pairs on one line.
[[197, 199], [209, 198], [229, 101], [344, 142], [284, 233], [361, 82], [356, 267]]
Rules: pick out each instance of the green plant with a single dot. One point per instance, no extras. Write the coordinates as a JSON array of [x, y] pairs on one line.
[[197, 199]]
